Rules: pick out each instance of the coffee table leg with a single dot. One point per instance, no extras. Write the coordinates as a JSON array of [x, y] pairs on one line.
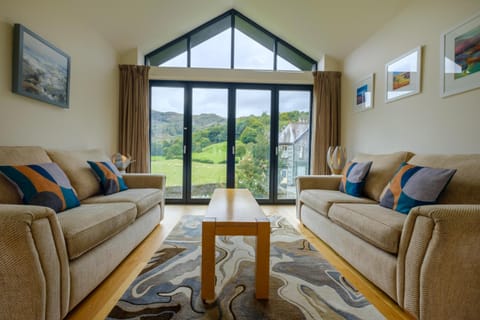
[[208, 261], [262, 276]]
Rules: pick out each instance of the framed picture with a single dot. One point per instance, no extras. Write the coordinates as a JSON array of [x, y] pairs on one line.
[[403, 75], [40, 70], [460, 58], [363, 93]]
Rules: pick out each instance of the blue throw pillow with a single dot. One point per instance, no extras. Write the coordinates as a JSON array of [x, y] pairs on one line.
[[110, 178], [42, 184], [413, 186], [353, 178]]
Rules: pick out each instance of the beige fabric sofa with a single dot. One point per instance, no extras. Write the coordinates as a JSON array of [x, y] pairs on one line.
[[427, 261], [49, 262]]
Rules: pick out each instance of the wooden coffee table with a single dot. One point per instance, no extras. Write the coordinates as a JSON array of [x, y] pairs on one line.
[[235, 212]]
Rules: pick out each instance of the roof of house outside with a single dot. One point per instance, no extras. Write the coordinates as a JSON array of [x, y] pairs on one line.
[[293, 132]]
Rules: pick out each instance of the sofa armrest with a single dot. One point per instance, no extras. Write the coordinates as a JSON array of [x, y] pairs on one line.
[[34, 271], [146, 180], [325, 182], [438, 262]]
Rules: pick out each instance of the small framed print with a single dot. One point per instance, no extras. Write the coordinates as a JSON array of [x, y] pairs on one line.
[[363, 93], [460, 58], [403, 75]]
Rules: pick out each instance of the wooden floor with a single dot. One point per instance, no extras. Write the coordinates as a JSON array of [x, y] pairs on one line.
[[99, 303]]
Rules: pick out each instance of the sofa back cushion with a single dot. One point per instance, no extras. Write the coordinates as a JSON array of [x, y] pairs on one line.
[[465, 184], [382, 170], [18, 156], [74, 164]]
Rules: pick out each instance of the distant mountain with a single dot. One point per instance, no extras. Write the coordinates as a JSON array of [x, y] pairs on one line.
[[166, 125]]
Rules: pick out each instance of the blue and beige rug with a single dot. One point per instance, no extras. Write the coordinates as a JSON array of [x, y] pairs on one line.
[[303, 285]]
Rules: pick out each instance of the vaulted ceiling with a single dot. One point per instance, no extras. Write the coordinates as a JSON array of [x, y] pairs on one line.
[[316, 27]]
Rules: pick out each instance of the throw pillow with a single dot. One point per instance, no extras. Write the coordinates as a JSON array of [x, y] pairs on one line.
[[110, 178], [353, 178], [413, 186], [43, 185]]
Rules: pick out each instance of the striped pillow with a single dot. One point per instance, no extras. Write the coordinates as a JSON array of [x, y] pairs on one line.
[[43, 185], [110, 178], [413, 186]]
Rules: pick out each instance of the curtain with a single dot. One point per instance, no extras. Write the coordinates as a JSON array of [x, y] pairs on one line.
[[326, 118], [134, 128]]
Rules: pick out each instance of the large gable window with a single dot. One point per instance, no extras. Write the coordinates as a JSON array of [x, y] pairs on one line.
[[231, 41]]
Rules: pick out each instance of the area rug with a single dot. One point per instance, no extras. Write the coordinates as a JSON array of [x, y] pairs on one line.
[[303, 285]]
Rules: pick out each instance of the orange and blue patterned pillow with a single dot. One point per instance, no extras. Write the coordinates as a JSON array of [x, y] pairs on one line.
[[353, 178], [413, 186], [110, 178], [43, 185]]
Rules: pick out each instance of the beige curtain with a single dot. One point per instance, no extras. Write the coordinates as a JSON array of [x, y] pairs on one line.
[[326, 118], [134, 116]]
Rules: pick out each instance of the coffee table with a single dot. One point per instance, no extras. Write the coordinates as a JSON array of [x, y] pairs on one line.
[[235, 212]]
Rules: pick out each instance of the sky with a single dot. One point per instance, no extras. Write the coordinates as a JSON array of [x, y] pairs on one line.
[[249, 54]]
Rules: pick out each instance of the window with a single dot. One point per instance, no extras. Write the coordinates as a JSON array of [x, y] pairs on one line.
[[231, 41]]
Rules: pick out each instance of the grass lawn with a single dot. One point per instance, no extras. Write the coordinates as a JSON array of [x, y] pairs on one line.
[[202, 173], [215, 152]]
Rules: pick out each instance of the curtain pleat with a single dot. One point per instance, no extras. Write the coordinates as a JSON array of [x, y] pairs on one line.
[[134, 131], [326, 118]]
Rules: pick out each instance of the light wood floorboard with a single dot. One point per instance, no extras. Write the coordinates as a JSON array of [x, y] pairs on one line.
[[99, 303]]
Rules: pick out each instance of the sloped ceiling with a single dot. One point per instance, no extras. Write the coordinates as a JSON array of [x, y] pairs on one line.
[[316, 27]]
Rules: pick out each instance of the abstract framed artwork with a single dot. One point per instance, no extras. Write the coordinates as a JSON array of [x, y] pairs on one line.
[[363, 92], [460, 58], [403, 75], [40, 70]]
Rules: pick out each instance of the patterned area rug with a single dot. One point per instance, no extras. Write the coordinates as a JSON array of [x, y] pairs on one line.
[[303, 285]]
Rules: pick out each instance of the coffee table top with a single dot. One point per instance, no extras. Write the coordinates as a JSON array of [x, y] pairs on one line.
[[234, 205]]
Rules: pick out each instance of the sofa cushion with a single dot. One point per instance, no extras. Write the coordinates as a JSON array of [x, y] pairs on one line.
[[89, 225], [18, 156], [353, 178], [383, 168], [377, 225], [75, 165], [465, 184], [110, 178], [414, 186], [43, 184], [144, 199], [321, 200]]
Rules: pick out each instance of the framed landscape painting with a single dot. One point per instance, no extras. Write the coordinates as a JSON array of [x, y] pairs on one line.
[[403, 75], [363, 93], [40, 70], [460, 58]]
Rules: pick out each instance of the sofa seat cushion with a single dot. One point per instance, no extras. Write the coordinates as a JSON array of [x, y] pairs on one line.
[[89, 225], [322, 200], [377, 225], [144, 199]]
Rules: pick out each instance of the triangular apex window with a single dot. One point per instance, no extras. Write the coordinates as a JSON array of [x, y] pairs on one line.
[[231, 41]]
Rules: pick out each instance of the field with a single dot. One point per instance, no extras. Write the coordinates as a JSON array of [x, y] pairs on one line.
[[202, 173]]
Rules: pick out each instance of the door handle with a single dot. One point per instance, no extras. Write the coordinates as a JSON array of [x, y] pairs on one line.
[[233, 150]]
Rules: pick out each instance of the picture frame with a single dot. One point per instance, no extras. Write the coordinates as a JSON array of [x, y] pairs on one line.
[[40, 70], [460, 58], [363, 93], [403, 75]]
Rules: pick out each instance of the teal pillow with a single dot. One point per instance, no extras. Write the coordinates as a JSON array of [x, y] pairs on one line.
[[353, 178], [413, 186], [110, 178], [42, 185]]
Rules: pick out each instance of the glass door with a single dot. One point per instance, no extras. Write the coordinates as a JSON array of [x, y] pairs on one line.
[[167, 136], [209, 141], [252, 141], [293, 151]]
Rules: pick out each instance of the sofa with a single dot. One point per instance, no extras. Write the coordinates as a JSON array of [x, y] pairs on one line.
[[49, 262], [427, 261]]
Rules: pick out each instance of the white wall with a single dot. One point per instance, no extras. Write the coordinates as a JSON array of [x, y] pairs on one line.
[[423, 123], [92, 119]]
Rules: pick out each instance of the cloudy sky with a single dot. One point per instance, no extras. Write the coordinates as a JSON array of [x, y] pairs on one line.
[[215, 53]]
